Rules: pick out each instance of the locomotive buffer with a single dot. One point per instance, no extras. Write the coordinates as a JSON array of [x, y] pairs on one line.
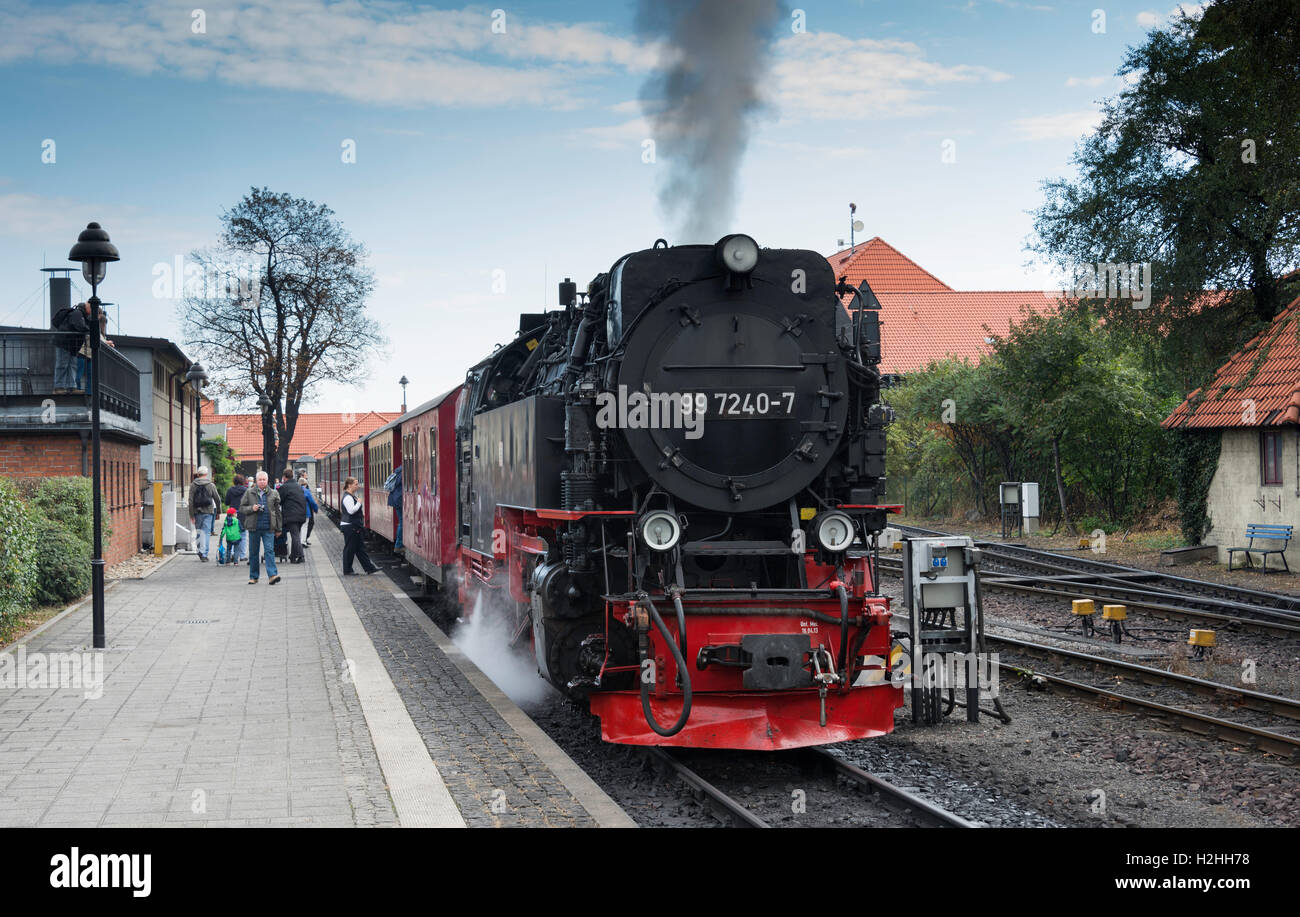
[[946, 627]]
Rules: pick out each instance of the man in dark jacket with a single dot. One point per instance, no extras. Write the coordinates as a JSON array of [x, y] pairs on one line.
[[72, 320], [259, 514], [293, 505], [234, 496]]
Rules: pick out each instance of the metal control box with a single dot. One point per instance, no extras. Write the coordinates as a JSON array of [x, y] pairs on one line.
[[937, 567], [944, 618]]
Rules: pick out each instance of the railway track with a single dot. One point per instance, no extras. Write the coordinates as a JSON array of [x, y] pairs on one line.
[[732, 811], [1032, 571], [1164, 582], [1264, 739]]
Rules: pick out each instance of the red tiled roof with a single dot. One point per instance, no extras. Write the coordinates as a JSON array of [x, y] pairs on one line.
[[1258, 387], [917, 328], [884, 267], [316, 434]]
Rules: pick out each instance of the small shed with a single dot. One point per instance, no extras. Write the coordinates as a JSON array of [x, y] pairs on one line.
[[1253, 405]]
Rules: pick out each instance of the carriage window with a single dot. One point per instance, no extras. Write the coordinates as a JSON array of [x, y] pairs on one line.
[[433, 460]]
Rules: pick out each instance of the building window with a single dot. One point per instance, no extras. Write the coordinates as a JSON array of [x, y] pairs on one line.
[[1270, 457]]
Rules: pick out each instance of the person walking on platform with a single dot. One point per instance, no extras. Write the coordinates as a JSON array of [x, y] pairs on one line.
[[312, 508], [259, 513], [352, 521], [293, 503], [235, 496], [205, 503]]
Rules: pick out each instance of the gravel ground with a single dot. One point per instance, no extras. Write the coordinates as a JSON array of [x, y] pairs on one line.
[[1059, 751], [136, 566], [1271, 659]]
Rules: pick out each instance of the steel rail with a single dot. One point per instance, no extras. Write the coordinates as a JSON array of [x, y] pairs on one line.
[[721, 803], [888, 565], [1254, 700], [1202, 724], [895, 793]]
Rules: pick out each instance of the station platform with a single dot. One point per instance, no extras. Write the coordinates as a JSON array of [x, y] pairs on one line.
[[321, 700]]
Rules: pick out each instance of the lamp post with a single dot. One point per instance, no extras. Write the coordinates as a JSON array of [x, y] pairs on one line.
[[94, 250], [197, 378], [403, 382], [268, 436]]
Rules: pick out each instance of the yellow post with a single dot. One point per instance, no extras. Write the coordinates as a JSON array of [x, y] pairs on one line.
[[157, 519]]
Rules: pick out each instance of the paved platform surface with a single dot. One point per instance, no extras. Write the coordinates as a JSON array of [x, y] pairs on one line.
[[318, 701]]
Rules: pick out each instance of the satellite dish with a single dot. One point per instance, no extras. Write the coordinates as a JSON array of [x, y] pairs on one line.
[[858, 225]]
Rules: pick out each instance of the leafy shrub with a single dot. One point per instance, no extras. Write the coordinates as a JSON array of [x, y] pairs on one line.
[[67, 502], [18, 553], [62, 563]]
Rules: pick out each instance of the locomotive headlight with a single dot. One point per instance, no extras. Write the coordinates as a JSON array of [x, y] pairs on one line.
[[738, 253], [661, 531], [834, 531]]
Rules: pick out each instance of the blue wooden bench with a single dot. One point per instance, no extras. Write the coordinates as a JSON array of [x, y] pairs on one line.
[[1255, 531]]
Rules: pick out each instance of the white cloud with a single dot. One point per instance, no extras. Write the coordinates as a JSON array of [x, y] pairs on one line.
[[1085, 80], [397, 53], [391, 53], [1068, 125], [825, 75]]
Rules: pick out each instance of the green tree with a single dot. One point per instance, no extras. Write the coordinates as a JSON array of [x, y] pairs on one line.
[[1083, 399], [959, 404], [289, 311], [221, 459], [1194, 170]]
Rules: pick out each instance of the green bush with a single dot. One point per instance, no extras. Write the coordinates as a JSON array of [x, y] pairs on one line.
[[67, 502], [18, 553], [221, 461], [62, 563]]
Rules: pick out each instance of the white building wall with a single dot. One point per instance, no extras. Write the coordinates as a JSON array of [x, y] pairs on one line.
[[1237, 498]]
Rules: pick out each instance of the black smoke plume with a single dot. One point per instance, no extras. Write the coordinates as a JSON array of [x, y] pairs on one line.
[[702, 102]]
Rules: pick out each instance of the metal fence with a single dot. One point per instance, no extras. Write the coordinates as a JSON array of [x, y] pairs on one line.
[[27, 360]]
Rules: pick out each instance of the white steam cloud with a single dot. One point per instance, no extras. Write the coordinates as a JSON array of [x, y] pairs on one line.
[[485, 639]]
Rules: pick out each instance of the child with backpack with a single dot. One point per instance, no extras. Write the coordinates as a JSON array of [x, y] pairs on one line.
[[231, 535]]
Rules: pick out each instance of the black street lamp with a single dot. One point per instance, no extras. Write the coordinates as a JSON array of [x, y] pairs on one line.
[[95, 251], [268, 436], [197, 378], [403, 382]]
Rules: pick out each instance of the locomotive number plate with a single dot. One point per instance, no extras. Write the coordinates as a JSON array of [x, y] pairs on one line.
[[744, 404]]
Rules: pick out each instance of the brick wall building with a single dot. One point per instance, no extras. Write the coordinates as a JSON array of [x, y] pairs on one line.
[[47, 434], [54, 455]]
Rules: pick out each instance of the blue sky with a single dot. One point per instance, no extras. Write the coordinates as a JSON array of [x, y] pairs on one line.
[[484, 156]]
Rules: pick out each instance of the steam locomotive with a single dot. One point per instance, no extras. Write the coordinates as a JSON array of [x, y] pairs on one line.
[[672, 488]]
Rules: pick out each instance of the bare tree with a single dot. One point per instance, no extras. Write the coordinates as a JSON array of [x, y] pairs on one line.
[[279, 306]]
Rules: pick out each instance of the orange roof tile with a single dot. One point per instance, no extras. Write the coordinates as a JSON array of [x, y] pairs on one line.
[[918, 328], [1258, 387], [884, 267], [316, 434]]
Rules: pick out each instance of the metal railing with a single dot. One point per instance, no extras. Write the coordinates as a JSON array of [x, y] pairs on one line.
[[27, 364]]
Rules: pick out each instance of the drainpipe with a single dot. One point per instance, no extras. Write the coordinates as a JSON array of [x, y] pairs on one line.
[[171, 442]]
